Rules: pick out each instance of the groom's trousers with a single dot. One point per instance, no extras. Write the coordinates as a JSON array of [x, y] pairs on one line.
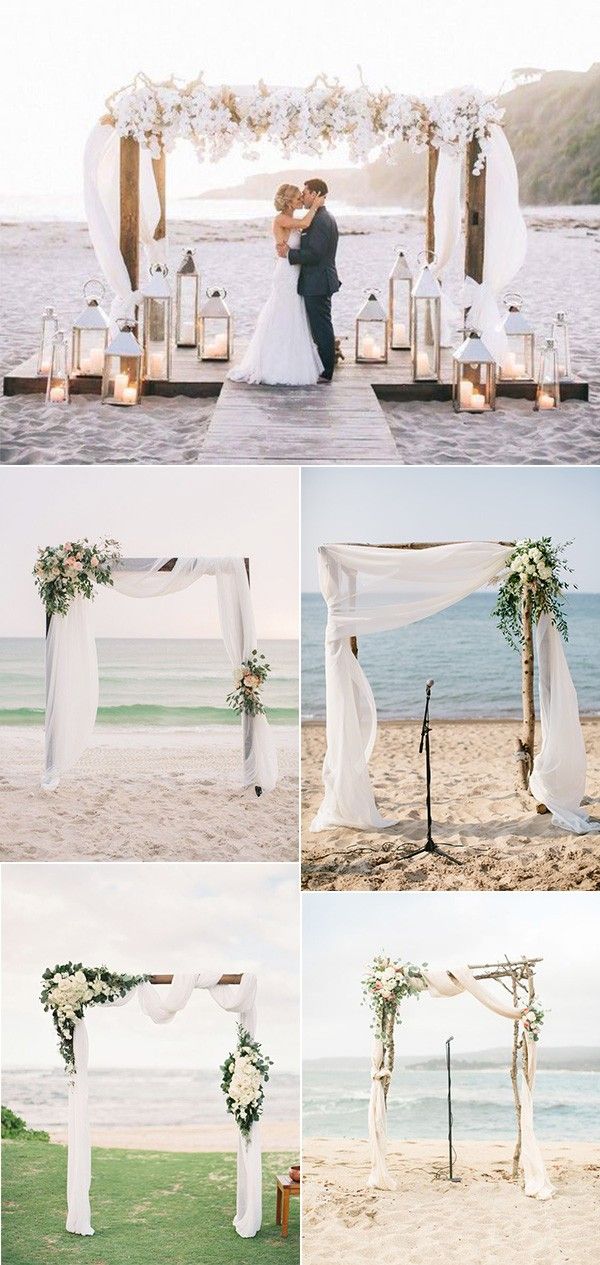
[[318, 308]]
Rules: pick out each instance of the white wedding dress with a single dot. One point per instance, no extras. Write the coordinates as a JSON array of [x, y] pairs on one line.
[[281, 351]]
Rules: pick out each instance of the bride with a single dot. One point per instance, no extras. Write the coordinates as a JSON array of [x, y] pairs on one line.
[[281, 351]]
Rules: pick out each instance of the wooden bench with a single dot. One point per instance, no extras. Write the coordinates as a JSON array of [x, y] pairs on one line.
[[285, 1189]]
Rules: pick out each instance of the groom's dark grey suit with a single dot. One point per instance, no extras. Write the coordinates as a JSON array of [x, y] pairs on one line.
[[318, 280]]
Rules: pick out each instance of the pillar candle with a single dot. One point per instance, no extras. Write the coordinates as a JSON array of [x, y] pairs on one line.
[[129, 395], [423, 365], [399, 332], [156, 367], [545, 400], [477, 400], [57, 395], [466, 393], [96, 360], [121, 381]]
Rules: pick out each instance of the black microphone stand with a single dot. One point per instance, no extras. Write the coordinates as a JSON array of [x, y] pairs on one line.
[[451, 1177], [429, 845]]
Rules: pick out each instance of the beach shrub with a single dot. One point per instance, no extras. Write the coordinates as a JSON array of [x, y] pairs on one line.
[[14, 1127]]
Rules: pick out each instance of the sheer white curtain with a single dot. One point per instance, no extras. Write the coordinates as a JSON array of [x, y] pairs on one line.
[[72, 665], [446, 223], [450, 983], [161, 1005]]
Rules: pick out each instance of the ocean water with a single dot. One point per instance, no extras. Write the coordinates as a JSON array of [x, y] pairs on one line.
[[476, 673], [138, 1097], [150, 682], [336, 1102]]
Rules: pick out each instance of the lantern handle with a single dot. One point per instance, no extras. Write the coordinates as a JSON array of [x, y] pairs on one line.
[[422, 257], [162, 268], [98, 286], [512, 298], [219, 293], [372, 290], [125, 322]]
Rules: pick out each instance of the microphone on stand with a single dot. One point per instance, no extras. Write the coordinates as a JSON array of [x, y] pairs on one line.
[[429, 846], [451, 1176]]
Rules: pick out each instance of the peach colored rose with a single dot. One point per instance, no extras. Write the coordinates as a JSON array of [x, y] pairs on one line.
[[251, 681]]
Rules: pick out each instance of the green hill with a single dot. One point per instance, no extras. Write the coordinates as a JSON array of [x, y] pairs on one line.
[[553, 125]]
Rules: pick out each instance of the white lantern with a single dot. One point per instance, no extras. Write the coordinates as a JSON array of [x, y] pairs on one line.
[[371, 337], [547, 395], [400, 305], [560, 334], [426, 323], [473, 377], [215, 328], [49, 329], [186, 302], [122, 378], [57, 388], [157, 325], [90, 334], [518, 362]]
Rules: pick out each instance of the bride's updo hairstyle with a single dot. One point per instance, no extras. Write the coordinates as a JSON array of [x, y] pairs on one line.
[[285, 196]]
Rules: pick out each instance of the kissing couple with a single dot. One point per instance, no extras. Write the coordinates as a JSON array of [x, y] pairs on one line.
[[293, 343]]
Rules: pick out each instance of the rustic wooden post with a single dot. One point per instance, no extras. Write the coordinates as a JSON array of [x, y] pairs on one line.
[[515, 1084], [168, 979], [159, 166], [387, 1034], [432, 166], [129, 203], [474, 215]]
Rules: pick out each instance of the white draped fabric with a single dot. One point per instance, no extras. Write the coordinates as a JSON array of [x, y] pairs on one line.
[[447, 224], [450, 983], [72, 665], [505, 244], [161, 1005], [101, 167], [370, 589]]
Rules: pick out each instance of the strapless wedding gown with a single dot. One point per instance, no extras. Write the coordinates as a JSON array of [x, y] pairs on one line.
[[281, 351]]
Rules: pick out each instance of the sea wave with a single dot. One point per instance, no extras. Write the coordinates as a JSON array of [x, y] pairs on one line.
[[152, 714]]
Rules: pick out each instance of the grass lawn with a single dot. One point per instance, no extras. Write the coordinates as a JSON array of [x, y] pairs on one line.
[[148, 1208]]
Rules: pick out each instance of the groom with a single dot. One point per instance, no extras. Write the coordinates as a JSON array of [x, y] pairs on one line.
[[318, 278]]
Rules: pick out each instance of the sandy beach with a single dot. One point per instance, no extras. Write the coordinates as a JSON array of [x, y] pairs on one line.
[[501, 842], [484, 1220], [276, 1135], [49, 263], [147, 796]]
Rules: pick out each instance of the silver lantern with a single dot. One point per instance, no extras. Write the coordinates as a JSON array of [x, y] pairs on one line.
[[215, 327], [473, 377], [426, 327], [371, 333], [547, 395], [90, 334], [157, 325], [49, 329], [122, 378], [518, 362], [560, 334], [186, 302], [400, 305], [57, 387]]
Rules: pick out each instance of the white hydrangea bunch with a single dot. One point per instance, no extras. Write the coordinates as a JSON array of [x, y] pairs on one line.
[[530, 561], [71, 992], [245, 1083], [537, 569], [244, 1074]]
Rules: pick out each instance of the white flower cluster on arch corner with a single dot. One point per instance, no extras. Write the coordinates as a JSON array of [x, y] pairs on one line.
[[299, 120]]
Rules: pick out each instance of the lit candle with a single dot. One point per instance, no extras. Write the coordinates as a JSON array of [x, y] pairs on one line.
[[477, 400], [121, 381], [466, 393], [520, 369], [156, 365], [210, 350], [96, 360], [221, 342], [85, 364], [545, 400], [368, 346], [423, 365], [399, 332], [45, 366], [129, 395], [509, 366], [57, 395]]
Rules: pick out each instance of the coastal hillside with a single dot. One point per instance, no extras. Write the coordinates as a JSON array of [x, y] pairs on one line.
[[552, 123]]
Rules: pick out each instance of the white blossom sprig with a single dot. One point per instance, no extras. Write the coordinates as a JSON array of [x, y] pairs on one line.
[[244, 1075]]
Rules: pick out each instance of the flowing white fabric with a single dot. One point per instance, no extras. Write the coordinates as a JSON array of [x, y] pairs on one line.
[[370, 590], [505, 244], [161, 1006], [281, 350], [72, 665], [101, 168], [558, 775], [446, 225], [450, 983]]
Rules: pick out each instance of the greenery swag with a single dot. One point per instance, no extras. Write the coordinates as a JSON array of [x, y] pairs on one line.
[[64, 571], [249, 678], [68, 989], [536, 568], [245, 1073]]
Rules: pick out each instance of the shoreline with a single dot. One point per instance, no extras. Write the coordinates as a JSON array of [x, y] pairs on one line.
[[276, 1135], [401, 722]]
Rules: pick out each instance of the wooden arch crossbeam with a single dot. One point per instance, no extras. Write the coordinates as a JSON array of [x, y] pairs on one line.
[[168, 979]]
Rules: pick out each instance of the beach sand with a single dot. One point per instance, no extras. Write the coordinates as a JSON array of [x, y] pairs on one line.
[[484, 1220], [147, 796], [49, 263], [276, 1135], [500, 840]]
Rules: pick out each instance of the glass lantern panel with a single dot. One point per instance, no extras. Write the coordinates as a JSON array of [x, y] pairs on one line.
[[57, 390], [88, 351], [49, 328], [548, 390], [474, 386], [426, 335], [561, 338], [400, 309], [215, 338], [518, 362], [156, 337], [371, 340], [122, 379], [187, 310]]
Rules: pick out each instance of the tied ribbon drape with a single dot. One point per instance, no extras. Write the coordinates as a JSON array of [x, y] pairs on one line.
[[451, 983], [373, 590], [161, 1006], [72, 665], [446, 222]]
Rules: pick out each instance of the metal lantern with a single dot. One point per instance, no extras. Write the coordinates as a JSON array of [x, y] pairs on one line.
[[122, 378], [157, 324], [186, 302], [215, 328], [547, 395], [399, 304], [371, 340], [57, 389], [90, 334], [518, 363], [426, 323], [473, 377], [560, 334], [49, 329]]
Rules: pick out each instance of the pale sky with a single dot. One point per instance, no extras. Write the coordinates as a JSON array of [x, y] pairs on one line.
[[154, 512], [62, 62], [342, 932], [144, 919], [396, 504]]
